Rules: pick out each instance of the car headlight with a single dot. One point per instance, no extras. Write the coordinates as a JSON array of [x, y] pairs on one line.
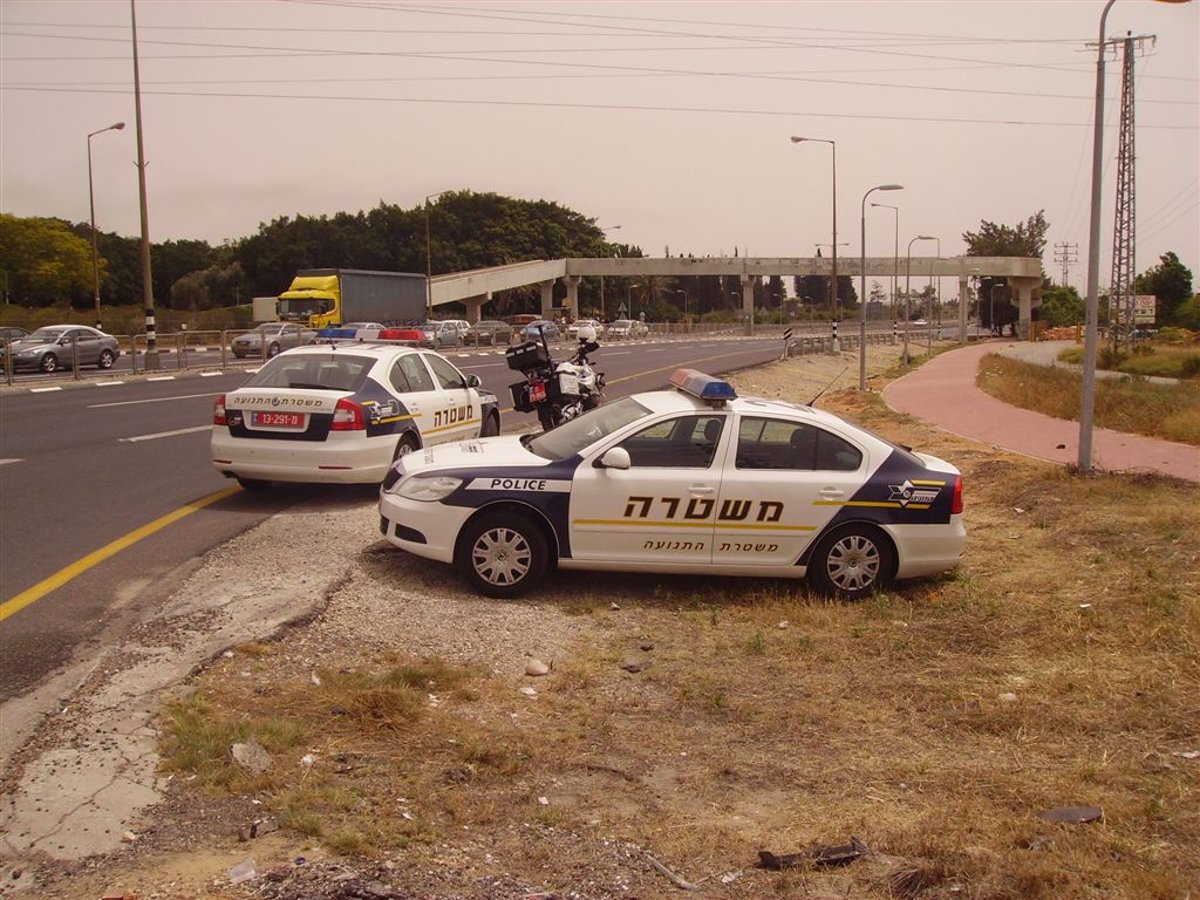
[[427, 489]]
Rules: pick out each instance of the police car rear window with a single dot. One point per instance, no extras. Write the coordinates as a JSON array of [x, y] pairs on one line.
[[336, 372], [571, 437]]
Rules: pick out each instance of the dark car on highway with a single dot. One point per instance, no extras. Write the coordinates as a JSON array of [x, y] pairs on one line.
[[489, 331], [55, 347]]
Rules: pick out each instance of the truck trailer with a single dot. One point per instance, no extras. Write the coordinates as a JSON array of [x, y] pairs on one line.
[[325, 297]]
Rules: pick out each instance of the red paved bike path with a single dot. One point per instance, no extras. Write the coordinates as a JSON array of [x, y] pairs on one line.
[[943, 392]]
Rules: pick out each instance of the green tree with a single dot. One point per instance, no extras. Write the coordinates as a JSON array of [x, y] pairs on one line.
[[1026, 238], [1170, 281], [44, 262], [1061, 306]]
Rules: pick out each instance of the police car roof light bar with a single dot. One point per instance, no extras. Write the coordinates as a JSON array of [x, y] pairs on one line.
[[702, 387]]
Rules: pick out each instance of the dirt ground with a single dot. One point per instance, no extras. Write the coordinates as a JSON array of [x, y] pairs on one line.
[[686, 724]]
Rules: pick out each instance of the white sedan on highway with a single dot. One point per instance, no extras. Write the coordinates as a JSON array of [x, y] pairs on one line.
[[330, 413], [689, 480]]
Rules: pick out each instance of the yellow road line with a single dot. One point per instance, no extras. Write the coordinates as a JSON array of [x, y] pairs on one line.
[[77, 568]]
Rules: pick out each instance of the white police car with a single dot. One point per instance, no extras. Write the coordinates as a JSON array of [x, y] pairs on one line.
[[689, 480], [343, 413]]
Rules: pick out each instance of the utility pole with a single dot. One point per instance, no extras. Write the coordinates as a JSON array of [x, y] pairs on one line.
[[1120, 297], [1064, 255]]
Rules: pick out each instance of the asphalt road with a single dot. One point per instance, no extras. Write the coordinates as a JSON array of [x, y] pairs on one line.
[[88, 465]]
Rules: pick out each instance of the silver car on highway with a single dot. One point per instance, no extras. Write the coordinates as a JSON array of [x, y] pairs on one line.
[[54, 347], [270, 338]]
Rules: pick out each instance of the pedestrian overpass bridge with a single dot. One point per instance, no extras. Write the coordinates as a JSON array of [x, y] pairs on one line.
[[475, 288]]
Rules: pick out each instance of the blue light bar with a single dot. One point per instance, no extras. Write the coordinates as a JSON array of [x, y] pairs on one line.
[[337, 332], [701, 386]]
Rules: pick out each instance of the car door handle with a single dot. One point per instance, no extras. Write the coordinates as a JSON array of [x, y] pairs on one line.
[[831, 493], [702, 489]]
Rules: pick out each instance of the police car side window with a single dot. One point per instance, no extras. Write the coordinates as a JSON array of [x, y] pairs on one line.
[[448, 377], [687, 442], [399, 380], [835, 454], [416, 373]]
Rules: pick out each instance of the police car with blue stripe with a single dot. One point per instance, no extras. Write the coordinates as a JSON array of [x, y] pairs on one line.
[[343, 412], [691, 480]]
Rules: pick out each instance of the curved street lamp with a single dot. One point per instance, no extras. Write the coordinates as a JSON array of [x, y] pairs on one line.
[[833, 281], [895, 252], [862, 275], [116, 126]]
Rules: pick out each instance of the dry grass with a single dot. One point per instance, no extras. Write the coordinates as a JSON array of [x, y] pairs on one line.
[[1171, 412], [1057, 667]]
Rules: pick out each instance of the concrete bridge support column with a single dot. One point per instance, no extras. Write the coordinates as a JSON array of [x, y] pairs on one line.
[[547, 288], [748, 282], [572, 301], [1024, 288], [475, 306], [964, 300]]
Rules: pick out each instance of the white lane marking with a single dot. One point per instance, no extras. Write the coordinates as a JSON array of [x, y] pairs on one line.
[[5, 462], [44, 390], [163, 434], [153, 400], [106, 383], [162, 378], [210, 374]]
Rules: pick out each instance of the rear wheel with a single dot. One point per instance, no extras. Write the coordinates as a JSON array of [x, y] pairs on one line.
[[502, 554], [406, 445], [49, 363], [273, 351], [852, 562], [106, 359]]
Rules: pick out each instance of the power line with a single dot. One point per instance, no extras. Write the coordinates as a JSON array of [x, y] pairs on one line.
[[626, 107]]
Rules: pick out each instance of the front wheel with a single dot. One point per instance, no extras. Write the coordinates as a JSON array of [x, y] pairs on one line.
[[490, 426], [106, 359], [49, 363], [502, 554], [272, 351], [852, 562]]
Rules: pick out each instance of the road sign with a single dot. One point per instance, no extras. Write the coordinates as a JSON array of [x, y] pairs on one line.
[[623, 311]]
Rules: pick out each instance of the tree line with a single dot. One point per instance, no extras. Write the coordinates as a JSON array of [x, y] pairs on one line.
[[47, 262]]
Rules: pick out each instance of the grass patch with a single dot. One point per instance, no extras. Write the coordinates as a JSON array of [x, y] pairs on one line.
[[1162, 360], [1170, 412], [1059, 665]]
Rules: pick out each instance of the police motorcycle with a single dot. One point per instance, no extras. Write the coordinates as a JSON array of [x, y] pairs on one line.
[[558, 392]]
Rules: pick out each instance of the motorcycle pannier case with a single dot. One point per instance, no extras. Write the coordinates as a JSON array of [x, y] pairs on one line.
[[520, 397], [530, 355]]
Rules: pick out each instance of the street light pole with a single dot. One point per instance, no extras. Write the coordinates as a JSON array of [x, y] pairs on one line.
[[929, 305], [604, 228], [833, 279], [908, 289], [895, 253], [862, 275], [1088, 391], [116, 126], [685, 307], [429, 257]]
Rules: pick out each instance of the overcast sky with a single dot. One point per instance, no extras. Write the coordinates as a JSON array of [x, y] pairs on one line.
[[670, 119]]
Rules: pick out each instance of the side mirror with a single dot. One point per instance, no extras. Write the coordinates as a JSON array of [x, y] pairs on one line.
[[614, 458], [474, 381]]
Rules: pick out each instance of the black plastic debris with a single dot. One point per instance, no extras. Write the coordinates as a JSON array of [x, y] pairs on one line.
[[815, 856], [1074, 815]]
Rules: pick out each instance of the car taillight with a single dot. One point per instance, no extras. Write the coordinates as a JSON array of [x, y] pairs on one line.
[[348, 416], [956, 504], [219, 411]]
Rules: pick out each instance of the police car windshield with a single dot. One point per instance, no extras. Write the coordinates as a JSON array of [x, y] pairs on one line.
[[571, 437], [335, 372]]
